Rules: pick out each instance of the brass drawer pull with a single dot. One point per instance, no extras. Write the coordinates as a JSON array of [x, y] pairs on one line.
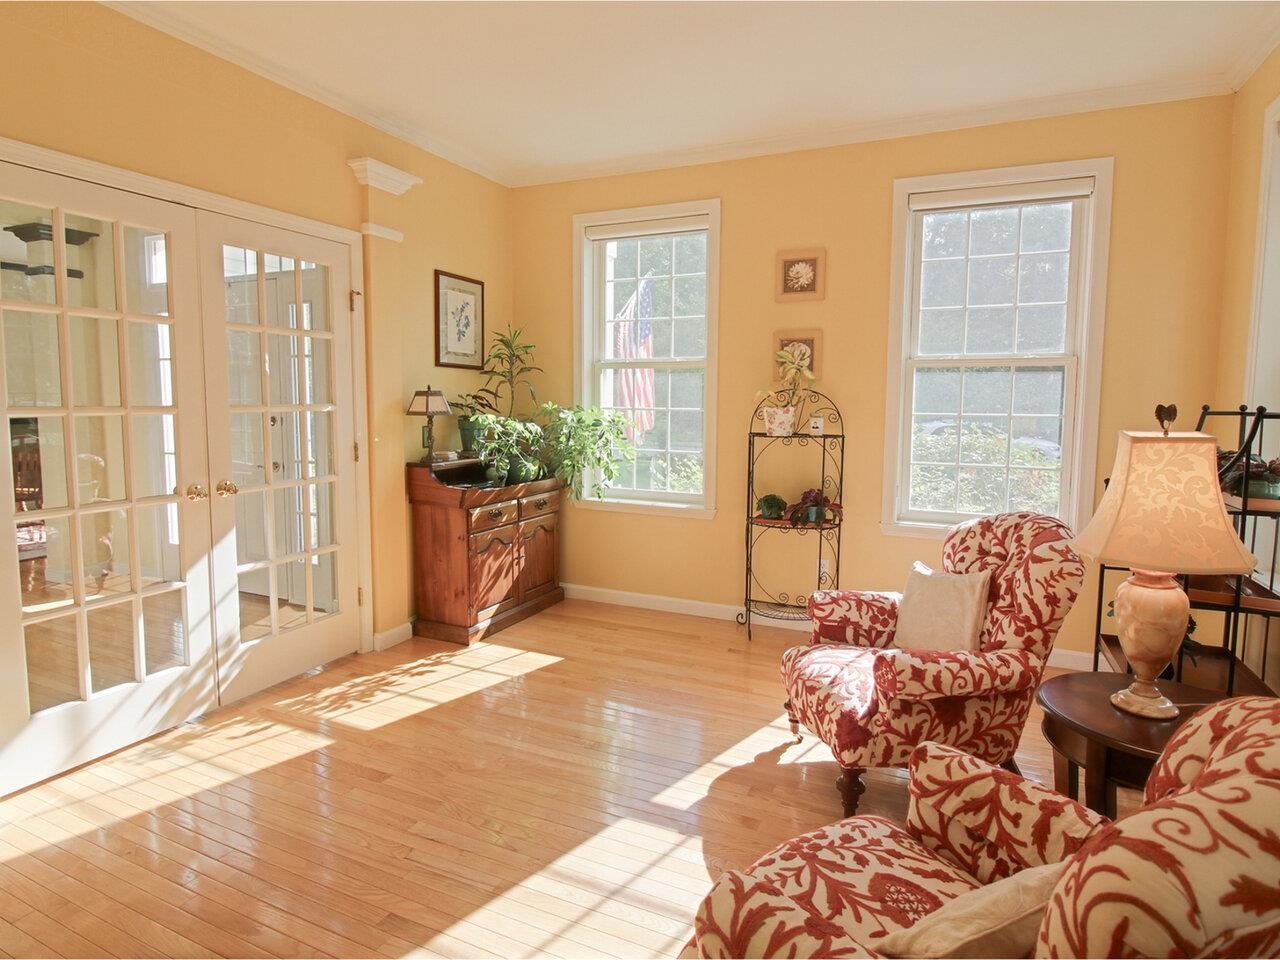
[[541, 502], [495, 514]]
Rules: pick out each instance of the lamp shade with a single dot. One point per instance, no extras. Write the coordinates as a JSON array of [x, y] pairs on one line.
[[428, 403], [1163, 509]]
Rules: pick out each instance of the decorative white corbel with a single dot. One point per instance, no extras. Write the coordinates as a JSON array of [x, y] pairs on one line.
[[382, 176]]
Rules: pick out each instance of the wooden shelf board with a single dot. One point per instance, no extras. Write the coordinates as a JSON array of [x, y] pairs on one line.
[[1256, 504], [1218, 593], [1208, 671]]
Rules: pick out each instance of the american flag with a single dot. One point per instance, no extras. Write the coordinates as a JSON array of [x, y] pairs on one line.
[[633, 340]]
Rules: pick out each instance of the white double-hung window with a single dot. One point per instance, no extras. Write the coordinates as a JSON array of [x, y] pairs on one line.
[[645, 300], [995, 352]]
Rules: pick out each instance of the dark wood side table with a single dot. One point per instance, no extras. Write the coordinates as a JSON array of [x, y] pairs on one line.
[[1116, 749]]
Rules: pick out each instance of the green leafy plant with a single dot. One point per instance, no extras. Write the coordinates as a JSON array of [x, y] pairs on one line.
[[771, 506], [471, 404], [795, 372], [509, 446], [582, 440], [507, 367], [813, 507]]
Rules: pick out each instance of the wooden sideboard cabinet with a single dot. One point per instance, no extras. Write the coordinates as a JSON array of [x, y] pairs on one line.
[[483, 557]]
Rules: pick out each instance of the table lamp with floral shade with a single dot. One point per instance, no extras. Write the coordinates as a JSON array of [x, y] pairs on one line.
[[1162, 515]]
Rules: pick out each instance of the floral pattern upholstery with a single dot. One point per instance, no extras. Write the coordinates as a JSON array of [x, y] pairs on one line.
[[1194, 872], [873, 703]]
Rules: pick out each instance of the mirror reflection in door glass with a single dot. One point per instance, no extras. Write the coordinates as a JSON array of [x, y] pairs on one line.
[[94, 347], [321, 514], [244, 368], [53, 666], [31, 352], [282, 368], [146, 271], [38, 450], [240, 285], [151, 372], [44, 563], [111, 654], [159, 559], [155, 455], [251, 526], [104, 552], [91, 266], [164, 631], [280, 307], [291, 594], [286, 444], [100, 458], [26, 239], [324, 584], [248, 459], [255, 604], [315, 296], [317, 356], [321, 444], [290, 513]]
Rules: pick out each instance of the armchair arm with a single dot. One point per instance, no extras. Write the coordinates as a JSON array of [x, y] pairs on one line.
[[865, 618], [929, 674], [987, 820]]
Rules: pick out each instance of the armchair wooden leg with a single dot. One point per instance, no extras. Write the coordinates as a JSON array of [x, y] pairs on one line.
[[795, 724], [851, 789], [1012, 766]]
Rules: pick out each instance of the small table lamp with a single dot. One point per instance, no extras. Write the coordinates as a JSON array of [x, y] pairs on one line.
[[1162, 510], [430, 404]]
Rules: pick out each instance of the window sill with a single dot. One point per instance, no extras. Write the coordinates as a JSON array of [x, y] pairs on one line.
[[653, 508], [914, 529]]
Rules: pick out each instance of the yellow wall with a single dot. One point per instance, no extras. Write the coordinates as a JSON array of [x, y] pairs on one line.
[[96, 84], [1164, 287], [1240, 244]]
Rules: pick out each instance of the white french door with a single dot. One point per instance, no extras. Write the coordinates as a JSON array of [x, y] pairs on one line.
[[178, 391], [105, 582], [281, 437]]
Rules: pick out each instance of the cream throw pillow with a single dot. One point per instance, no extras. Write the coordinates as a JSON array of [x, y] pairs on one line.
[[941, 611], [1001, 919]]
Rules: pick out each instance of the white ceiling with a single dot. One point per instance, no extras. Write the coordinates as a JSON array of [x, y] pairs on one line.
[[537, 92]]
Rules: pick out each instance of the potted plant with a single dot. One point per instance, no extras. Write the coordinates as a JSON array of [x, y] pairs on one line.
[[1263, 483], [794, 376], [507, 367], [771, 506], [468, 406], [813, 508], [578, 440], [512, 448]]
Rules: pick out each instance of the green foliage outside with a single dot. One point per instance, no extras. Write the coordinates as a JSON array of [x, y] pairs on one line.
[[978, 484]]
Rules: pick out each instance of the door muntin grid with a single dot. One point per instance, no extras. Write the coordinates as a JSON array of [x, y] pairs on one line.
[[91, 418], [280, 376]]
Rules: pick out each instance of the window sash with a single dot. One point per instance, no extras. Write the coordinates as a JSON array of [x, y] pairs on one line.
[[1077, 191]]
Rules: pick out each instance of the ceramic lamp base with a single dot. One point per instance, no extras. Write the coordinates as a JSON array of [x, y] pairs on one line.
[[1151, 620], [1153, 704]]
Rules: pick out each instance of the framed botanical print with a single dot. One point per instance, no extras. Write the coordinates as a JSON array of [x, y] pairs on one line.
[[459, 321], [812, 341], [800, 275]]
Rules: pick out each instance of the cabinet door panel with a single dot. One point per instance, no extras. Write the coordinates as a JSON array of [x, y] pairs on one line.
[[494, 582], [540, 556]]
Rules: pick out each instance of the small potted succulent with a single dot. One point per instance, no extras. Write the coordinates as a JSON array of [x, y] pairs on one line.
[[468, 406], [771, 506], [814, 508], [795, 373]]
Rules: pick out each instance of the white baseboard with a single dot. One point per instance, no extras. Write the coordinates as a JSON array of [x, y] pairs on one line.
[[1065, 659], [389, 638]]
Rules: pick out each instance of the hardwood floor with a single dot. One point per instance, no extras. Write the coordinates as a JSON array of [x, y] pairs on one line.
[[569, 789]]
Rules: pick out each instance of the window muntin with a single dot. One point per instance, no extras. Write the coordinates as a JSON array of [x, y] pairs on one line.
[[991, 368]]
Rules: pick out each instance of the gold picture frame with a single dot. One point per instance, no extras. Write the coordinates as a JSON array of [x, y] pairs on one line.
[[811, 338], [800, 275]]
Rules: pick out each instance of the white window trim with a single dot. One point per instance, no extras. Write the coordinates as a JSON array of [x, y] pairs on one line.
[[1013, 183], [627, 221]]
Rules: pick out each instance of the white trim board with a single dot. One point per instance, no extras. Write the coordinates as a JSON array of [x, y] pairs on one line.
[[397, 634], [1065, 659]]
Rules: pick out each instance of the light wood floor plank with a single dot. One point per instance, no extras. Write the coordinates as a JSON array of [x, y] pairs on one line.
[[569, 789]]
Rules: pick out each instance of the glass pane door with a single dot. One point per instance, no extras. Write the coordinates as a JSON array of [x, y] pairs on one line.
[[100, 321], [285, 576]]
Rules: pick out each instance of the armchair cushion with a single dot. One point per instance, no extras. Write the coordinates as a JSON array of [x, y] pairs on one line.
[[988, 821], [941, 611], [867, 618], [926, 675]]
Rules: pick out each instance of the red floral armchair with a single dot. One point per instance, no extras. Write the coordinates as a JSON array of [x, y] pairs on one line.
[[873, 703], [1194, 872]]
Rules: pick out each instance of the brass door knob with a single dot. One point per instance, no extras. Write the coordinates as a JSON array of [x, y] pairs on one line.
[[226, 488], [196, 493]]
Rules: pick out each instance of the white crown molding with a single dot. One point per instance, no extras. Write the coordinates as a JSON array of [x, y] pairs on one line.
[[378, 230], [382, 176], [513, 175], [1251, 59]]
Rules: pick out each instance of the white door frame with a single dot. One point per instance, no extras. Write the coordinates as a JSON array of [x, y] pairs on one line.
[[1266, 242], [51, 161]]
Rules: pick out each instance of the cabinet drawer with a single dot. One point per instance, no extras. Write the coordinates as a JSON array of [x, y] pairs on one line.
[[539, 504], [493, 515]]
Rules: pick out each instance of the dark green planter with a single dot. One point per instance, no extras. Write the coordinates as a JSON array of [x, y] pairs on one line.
[[522, 471], [467, 430]]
